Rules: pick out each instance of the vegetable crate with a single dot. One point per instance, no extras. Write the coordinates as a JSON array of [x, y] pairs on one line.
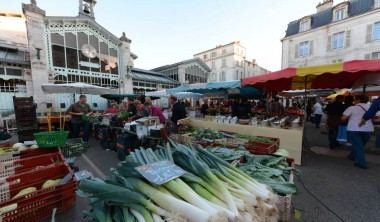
[[176, 138], [260, 148], [275, 140], [74, 147], [235, 141], [13, 156], [39, 204], [284, 202], [51, 139], [19, 166]]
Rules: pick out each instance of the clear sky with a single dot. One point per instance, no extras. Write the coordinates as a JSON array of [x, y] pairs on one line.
[[169, 31]]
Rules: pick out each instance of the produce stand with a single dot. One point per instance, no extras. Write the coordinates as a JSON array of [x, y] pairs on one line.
[[291, 139]]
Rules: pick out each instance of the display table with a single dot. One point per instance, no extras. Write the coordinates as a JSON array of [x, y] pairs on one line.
[[290, 139]]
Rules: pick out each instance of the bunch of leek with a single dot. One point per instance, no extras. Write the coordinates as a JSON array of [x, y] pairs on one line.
[[211, 190]]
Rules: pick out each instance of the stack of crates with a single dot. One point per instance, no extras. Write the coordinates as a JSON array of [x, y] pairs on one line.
[[26, 118], [32, 168]]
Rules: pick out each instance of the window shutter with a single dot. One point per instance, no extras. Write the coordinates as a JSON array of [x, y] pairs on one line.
[[296, 51], [348, 38], [368, 38], [311, 45], [329, 43], [367, 56]]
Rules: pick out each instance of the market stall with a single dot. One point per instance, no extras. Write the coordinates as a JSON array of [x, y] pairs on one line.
[[290, 139]]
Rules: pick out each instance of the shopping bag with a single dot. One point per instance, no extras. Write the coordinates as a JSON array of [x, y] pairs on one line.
[[342, 134]]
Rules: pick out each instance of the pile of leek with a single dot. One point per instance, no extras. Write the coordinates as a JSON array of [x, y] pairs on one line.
[[211, 190]]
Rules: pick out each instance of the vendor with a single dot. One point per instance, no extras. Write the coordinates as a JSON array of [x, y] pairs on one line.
[[77, 111], [178, 109], [244, 109]]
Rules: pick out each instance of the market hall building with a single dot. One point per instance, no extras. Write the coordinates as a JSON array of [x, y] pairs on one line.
[[36, 49]]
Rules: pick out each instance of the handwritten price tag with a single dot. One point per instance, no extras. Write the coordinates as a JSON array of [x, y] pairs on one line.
[[160, 172]]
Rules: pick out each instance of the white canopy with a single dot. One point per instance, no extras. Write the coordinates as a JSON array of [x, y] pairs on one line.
[[180, 95], [81, 88]]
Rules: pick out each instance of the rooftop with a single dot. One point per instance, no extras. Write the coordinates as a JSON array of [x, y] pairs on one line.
[[147, 75], [325, 17], [197, 60], [220, 46]]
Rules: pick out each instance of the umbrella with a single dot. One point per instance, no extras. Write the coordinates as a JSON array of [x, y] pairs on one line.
[[330, 76], [232, 87], [368, 79], [118, 96], [344, 92], [81, 88], [180, 95]]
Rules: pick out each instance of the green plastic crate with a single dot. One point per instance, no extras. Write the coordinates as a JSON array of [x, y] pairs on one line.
[[51, 139], [74, 147]]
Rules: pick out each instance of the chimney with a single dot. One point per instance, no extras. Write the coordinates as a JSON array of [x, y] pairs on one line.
[[254, 61], [325, 5]]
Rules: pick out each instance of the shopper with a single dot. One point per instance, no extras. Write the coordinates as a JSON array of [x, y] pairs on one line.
[[318, 112], [334, 113], [276, 106], [124, 105], [156, 111], [244, 110], [371, 113], [148, 99], [204, 109], [77, 111], [348, 101], [178, 109], [132, 108], [113, 108], [358, 135], [234, 108], [308, 110], [146, 112]]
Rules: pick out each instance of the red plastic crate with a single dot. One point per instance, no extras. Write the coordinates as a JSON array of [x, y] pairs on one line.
[[260, 148], [40, 204], [11, 156], [275, 140], [12, 185], [19, 166]]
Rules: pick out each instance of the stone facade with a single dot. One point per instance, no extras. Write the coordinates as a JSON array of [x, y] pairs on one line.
[[228, 62], [344, 32]]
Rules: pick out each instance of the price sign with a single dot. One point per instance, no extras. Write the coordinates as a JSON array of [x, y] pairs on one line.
[[160, 172], [226, 151]]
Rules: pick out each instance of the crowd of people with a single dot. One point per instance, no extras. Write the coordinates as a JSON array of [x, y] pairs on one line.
[[351, 118], [81, 112]]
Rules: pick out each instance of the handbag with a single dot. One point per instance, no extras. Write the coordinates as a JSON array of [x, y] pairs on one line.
[[342, 134]]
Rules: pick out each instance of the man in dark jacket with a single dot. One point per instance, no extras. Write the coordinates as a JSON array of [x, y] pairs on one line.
[[132, 109], [178, 109], [334, 113]]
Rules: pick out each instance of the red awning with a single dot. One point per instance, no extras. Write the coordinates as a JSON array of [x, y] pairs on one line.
[[330, 76]]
